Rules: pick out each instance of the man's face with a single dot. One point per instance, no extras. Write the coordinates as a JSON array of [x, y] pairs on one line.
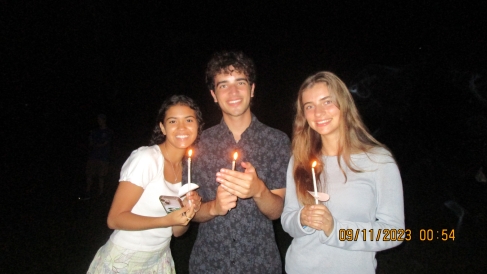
[[233, 92]]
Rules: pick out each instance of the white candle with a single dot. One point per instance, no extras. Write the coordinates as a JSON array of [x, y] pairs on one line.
[[235, 155], [314, 181], [189, 167]]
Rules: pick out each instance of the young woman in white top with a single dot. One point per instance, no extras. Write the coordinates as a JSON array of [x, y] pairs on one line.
[[143, 229]]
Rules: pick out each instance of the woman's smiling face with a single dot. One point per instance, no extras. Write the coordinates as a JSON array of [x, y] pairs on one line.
[[180, 126], [320, 111]]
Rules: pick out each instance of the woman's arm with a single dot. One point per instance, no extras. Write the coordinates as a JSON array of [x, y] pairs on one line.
[[192, 199], [121, 217], [388, 229], [179, 230], [290, 218]]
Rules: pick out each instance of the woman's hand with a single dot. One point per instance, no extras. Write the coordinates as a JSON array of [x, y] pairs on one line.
[[193, 198], [192, 204], [317, 217], [182, 216]]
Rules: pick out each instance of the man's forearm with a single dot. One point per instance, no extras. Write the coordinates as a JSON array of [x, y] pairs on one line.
[[204, 215], [271, 203]]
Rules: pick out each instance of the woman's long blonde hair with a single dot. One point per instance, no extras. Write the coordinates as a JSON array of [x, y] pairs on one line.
[[307, 145]]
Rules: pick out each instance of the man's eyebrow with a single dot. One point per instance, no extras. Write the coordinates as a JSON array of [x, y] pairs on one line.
[[221, 82], [236, 80], [243, 78]]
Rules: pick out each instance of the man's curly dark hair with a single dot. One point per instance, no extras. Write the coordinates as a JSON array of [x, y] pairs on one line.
[[220, 62]]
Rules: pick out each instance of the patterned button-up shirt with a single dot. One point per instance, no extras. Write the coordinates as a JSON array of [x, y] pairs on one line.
[[243, 240]]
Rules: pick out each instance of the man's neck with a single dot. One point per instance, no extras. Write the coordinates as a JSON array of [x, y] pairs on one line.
[[239, 124]]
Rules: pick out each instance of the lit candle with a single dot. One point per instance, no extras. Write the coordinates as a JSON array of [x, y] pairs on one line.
[[190, 152], [235, 155], [314, 181]]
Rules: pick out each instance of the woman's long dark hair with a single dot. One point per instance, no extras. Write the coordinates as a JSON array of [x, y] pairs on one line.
[[157, 136]]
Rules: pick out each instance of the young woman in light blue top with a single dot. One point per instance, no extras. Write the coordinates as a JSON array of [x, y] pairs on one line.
[[359, 174]]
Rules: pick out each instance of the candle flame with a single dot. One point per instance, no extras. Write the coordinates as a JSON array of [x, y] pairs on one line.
[[235, 155], [314, 164], [190, 152]]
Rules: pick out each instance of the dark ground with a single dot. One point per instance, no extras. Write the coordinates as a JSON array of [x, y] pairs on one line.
[[416, 69]]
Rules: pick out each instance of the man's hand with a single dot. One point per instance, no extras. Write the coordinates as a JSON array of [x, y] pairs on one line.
[[248, 185], [243, 185], [223, 202]]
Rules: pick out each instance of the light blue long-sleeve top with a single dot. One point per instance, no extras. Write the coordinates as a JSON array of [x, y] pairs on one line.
[[367, 201]]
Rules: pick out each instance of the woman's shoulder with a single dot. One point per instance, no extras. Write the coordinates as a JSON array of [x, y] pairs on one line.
[[376, 154], [146, 152], [154, 149], [380, 152], [144, 157], [142, 166]]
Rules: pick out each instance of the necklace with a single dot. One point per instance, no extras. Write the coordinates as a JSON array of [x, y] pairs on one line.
[[173, 170], [172, 165]]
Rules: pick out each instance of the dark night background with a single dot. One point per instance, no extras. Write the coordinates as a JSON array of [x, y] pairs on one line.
[[417, 69]]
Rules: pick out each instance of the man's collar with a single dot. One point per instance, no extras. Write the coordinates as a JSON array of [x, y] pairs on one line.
[[253, 124]]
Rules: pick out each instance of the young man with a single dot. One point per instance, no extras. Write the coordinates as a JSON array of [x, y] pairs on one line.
[[236, 233]]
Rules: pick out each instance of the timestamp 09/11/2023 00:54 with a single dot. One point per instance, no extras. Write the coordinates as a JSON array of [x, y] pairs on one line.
[[395, 235]]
